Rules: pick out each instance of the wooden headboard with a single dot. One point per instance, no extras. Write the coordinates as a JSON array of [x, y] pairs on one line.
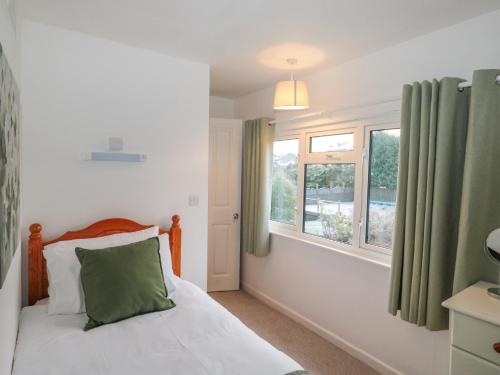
[[37, 268]]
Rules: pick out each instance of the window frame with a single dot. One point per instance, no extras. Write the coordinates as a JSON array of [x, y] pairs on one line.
[[334, 157], [360, 157], [326, 133], [366, 179]]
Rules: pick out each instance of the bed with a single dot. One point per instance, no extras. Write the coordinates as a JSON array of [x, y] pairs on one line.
[[198, 336]]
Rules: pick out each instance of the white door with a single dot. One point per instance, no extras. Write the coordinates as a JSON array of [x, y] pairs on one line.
[[224, 190]]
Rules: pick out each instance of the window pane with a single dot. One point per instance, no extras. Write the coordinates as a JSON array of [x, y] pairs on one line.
[[329, 201], [284, 189], [332, 143], [383, 176]]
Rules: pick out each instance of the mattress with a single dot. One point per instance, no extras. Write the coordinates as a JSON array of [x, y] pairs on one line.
[[198, 336]]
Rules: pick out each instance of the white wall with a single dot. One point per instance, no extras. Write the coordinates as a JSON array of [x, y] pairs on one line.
[[221, 107], [10, 294], [342, 297], [77, 90], [453, 51]]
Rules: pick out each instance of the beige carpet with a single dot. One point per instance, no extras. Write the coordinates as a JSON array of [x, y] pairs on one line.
[[312, 351]]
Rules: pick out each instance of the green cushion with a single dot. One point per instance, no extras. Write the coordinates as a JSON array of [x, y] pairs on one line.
[[123, 281]]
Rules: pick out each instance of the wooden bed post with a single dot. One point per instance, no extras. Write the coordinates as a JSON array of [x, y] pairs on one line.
[[35, 263], [175, 235]]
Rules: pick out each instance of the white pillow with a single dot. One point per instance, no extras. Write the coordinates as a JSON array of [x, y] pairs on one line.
[[63, 268], [166, 263], [42, 302]]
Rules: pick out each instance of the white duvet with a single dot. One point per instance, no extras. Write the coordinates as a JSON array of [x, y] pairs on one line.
[[198, 336]]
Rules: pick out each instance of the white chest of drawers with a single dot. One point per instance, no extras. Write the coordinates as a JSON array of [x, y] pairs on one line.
[[475, 331]]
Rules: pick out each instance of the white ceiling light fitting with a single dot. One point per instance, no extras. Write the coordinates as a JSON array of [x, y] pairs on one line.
[[291, 94]]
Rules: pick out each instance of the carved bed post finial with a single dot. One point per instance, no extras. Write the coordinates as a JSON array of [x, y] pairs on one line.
[[35, 263], [175, 244], [175, 221], [35, 231]]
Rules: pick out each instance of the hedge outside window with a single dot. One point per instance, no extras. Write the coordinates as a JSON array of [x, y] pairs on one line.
[[382, 184], [284, 181]]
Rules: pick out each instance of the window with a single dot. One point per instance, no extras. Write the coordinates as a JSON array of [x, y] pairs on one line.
[[329, 201], [331, 143], [341, 192], [284, 181], [382, 184]]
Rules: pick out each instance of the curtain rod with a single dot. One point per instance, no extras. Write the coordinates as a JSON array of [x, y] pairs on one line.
[[461, 86], [465, 84], [331, 112]]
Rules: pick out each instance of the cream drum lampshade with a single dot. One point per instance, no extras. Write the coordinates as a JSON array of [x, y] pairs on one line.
[[291, 95]]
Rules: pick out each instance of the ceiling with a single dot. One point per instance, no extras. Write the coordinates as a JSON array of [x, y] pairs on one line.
[[246, 42]]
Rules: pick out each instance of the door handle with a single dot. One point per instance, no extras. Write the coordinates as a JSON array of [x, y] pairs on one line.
[[496, 347], [236, 216]]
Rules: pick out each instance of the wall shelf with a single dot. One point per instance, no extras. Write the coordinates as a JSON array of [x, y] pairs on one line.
[[114, 156]]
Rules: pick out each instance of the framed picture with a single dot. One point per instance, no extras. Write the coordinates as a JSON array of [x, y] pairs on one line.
[[9, 166]]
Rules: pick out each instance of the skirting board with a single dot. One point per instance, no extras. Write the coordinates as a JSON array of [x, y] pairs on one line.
[[343, 344]]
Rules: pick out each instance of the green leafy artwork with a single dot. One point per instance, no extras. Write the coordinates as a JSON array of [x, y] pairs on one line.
[[9, 166]]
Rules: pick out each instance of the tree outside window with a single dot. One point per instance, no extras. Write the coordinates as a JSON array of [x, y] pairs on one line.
[[284, 181]]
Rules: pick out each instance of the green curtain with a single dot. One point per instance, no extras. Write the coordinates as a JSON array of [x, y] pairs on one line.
[[448, 194], [481, 191], [256, 186]]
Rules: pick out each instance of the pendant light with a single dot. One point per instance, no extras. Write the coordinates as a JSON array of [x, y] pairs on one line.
[[292, 94]]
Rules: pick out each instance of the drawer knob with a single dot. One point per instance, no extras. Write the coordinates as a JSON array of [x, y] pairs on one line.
[[496, 347]]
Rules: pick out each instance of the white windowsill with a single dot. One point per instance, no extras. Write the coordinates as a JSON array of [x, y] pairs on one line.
[[371, 256]]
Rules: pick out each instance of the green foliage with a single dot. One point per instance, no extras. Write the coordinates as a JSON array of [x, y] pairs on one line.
[[384, 160], [337, 227], [330, 175], [284, 193]]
